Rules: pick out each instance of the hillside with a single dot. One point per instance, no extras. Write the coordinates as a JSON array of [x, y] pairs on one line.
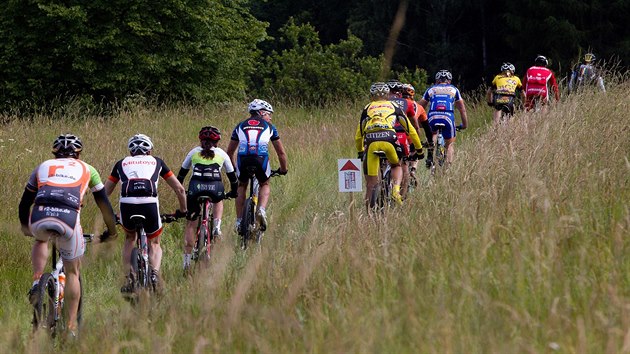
[[520, 247]]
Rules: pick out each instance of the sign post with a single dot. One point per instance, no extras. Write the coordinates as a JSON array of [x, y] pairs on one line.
[[350, 179]]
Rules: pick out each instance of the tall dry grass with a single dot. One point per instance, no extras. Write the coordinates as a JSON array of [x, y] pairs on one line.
[[519, 247]]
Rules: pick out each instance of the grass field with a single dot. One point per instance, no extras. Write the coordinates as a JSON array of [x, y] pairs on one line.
[[520, 247]]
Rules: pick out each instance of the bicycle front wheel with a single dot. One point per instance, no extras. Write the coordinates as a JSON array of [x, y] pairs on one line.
[[44, 316]]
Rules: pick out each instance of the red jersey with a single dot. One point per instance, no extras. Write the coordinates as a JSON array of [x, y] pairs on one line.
[[537, 80]]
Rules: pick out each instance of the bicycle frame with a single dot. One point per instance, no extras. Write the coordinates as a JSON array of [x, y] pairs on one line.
[[57, 302], [249, 225], [204, 240], [381, 195], [140, 263], [439, 152]]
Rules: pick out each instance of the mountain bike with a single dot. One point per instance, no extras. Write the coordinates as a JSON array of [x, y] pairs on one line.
[[48, 299], [381, 195], [205, 238], [439, 148], [250, 228], [141, 275]]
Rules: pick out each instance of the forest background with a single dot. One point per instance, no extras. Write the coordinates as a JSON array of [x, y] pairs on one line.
[[107, 51]]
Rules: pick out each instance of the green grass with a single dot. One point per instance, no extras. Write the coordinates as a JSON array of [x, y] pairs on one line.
[[521, 246]]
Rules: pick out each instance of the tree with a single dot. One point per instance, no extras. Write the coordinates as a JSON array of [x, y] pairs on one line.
[[203, 49]]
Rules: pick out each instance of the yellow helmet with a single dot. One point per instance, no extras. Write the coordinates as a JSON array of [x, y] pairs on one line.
[[589, 57]]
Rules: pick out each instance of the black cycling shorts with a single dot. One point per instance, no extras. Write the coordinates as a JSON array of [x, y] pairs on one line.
[[151, 211], [257, 166]]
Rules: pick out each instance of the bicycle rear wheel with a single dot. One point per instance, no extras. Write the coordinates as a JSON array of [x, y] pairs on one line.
[[44, 308], [248, 222], [204, 244], [141, 269]]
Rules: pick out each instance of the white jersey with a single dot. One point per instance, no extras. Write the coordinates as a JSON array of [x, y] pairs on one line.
[[139, 176]]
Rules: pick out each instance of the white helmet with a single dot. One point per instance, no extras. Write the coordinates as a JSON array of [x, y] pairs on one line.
[[443, 75], [258, 104], [140, 144]]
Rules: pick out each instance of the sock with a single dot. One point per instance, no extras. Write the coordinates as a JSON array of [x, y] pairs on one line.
[[396, 188], [217, 223], [187, 259], [262, 210]]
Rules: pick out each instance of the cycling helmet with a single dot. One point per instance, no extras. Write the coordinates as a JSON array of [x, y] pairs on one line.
[[508, 66], [139, 144], [589, 57], [258, 104], [379, 89], [541, 59], [67, 145], [443, 75], [210, 133], [408, 90], [395, 86]]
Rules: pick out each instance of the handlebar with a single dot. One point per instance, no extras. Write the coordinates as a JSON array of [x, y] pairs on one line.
[[275, 173]]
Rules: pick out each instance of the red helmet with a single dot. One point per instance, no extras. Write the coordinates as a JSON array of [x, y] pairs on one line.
[[210, 133]]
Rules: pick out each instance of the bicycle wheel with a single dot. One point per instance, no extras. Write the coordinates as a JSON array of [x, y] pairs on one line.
[[440, 154], [44, 308], [202, 239], [80, 309], [386, 189], [248, 222], [140, 269]]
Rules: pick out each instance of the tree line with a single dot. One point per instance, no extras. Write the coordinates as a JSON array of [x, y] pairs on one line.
[[294, 50]]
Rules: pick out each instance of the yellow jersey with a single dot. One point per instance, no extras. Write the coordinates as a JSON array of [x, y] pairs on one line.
[[506, 85]]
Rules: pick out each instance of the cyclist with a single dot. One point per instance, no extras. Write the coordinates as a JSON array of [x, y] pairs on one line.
[[408, 93], [442, 99], [501, 93], [139, 174], [536, 82], [586, 73], [252, 137], [376, 132], [206, 161], [57, 187]]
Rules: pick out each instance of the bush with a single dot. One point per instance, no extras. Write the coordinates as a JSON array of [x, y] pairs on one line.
[[307, 72]]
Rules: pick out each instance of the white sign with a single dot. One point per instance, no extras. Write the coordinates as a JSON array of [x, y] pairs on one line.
[[350, 179]]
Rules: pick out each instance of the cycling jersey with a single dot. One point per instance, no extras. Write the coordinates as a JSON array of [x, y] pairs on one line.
[[254, 135], [60, 185], [586, 74], [442, 98], [537, 81], [506, 85], [376, 132], [139, 176], [63, 182], [206, 175]]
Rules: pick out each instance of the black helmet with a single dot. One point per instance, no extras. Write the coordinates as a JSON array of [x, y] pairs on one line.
[[67, 145], [541, 60]]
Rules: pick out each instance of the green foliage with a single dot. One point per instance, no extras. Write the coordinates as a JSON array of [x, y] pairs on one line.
[[307, 71], [111, 48], [418, 78]]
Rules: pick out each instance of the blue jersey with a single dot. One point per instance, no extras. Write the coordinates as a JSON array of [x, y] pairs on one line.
[[441, 98], [253, 136]]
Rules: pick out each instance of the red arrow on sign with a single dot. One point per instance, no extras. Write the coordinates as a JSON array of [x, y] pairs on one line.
[[349, 166]]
